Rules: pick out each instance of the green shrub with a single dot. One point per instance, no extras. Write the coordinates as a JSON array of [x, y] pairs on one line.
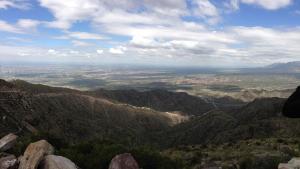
[[98, 154], [266, 162]]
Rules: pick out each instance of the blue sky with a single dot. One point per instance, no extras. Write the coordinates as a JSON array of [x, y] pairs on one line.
[[210, 33]]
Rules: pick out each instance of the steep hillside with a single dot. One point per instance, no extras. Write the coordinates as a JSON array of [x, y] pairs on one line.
[[39, 88], [249, 95], [163, 100], [74, 116], [259, 119], [259, 109], [123, 115], [160, 100], [205, 129]]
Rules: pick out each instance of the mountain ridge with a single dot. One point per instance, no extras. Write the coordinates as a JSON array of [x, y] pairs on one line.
[[74, 115]]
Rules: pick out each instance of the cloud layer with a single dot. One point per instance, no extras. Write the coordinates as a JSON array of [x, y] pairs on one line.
[[176, 30]]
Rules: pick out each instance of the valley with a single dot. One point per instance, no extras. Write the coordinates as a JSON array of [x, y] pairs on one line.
[[240, 84], [170, 123], [149, 84], [184, 118]]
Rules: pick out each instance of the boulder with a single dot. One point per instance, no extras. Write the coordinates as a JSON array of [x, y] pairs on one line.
[[9, 162], [56, 162], [291, 107], [4, 154], [8, 142], [123, 161], [292, 164], [34, 154]]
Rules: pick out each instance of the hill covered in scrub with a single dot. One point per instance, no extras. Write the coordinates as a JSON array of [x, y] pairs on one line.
[[74, 116], [155, 117], [259, 119], [77, 122], [164, 100], [158, 99]]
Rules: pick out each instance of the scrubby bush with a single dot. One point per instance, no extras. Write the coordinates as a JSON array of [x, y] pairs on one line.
[[90, 154], [98, 154], [266, 162]]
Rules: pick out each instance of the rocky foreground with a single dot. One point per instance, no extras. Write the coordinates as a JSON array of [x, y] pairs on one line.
[[41, 155]]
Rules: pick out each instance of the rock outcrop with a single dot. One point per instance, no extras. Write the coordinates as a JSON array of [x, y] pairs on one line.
[[123, 161], [34, 154], [9, 162], [57, 162], [292, 105], [8, 142], [294, 163], [39, 155]]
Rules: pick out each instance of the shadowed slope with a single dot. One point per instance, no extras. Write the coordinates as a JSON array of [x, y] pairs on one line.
[[292, 105], [74, 116]]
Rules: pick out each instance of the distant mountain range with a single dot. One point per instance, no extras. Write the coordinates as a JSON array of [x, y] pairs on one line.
[[293, 67], [289, 67]]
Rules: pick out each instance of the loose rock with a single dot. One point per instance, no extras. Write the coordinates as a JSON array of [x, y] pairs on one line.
[[9, 162], [34, 154], [56, 162], [123, 161], [8, 142]]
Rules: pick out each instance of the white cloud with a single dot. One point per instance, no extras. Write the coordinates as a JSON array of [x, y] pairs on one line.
[[85, 35], [117, 12], [52, 51], [20, 4], [266, 4], [6, 27], [158, 31], [28, 23], [167, 7], [155, 12], [99, 51], [269, 4], [4, 4], [123, 17], [74, 52], [235, 46], [183, 44], [268, 44], [232, 5], [245, 45], [60, 24], [67, 12], [182, 32], [18, 39], [22, 26], [143, 41], [207, 10], [27, 54], [80, 43], [118, 50]]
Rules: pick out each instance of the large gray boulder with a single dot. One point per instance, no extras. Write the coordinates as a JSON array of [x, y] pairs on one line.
[[8, 142], [34, 154], [123, 161], [292, 164], [56, 162], [9, 162]]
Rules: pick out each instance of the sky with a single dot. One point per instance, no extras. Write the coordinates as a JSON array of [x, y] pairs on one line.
[[204, 33]]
